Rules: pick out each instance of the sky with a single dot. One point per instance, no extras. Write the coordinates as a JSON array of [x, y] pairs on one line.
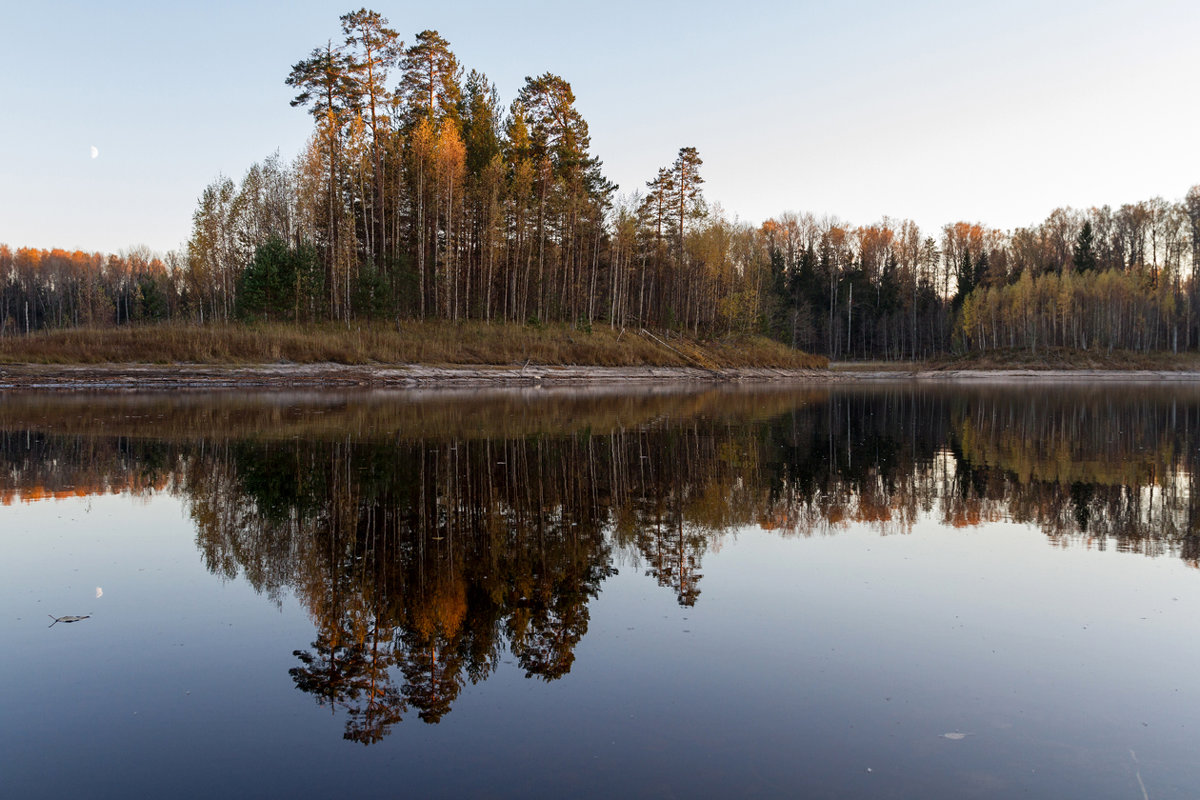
[[933, 111]]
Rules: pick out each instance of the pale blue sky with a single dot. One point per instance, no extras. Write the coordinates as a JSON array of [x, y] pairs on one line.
[[938, 111]]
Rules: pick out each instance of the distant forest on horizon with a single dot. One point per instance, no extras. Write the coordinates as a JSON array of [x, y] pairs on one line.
[[421, 195]]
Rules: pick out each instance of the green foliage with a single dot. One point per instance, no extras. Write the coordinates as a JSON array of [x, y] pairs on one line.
[[372, 298], [429, 84], [1084, 253], [280, 282], [152, 302], [966, 280], [481, 123]]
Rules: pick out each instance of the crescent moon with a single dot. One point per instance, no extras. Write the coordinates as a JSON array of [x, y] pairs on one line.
[[95, 151]]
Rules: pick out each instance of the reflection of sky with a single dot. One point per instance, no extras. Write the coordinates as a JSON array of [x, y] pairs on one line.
[[805, 662], [84, 711], [858, 650]]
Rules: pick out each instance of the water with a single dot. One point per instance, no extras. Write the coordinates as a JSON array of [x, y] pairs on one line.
[[872, 592]]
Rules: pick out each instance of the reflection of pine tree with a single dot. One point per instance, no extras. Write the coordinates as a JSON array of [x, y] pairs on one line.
[[556, 570], [544, 638], [427, 650], [344, 673], [432, 675], [673, 552], [369, 723]]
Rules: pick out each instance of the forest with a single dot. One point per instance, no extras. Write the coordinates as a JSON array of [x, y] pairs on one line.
[[421, 195]]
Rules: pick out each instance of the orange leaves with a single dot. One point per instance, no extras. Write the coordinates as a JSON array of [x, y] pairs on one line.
[[40, 265]]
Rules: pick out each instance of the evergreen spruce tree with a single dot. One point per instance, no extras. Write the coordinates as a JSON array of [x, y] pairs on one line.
[[1084, 253]]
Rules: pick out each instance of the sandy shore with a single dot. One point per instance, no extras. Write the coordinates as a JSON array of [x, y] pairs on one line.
[[153, 377]]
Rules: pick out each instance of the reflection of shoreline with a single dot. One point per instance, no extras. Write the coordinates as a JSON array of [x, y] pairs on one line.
[[1083, 461], [199, 378], [386, 413]]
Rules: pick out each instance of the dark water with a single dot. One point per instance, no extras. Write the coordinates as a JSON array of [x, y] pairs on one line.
[[673, 594]]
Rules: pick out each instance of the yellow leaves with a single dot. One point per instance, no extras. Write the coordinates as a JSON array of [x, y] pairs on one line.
[[450, 153], [438, 148], [1110, 309], [422, 141]]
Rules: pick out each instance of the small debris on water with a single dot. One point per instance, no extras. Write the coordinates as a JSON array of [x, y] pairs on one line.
[[66, 619]]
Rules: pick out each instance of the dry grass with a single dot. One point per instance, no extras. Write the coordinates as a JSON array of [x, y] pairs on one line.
[[1062, 358], [414, 343]]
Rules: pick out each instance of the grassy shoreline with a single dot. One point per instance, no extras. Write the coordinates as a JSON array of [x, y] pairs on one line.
[[1051, 359], [1061, 358], [500, 345], [428, 343]]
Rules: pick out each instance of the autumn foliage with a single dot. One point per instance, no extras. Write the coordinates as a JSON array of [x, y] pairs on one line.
[[421, 195]]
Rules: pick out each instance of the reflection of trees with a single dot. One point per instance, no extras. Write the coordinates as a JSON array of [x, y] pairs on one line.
[[1102, 466], [343, 672], [428, 557], [39, 466], [423, 559]]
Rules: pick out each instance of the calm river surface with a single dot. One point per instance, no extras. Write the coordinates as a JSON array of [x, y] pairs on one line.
[[896, 591]]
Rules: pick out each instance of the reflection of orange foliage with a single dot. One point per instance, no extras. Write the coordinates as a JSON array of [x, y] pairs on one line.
[[965, 518], [775, 521], [872, 512], [442, 611], [33, 494], [970, 514]]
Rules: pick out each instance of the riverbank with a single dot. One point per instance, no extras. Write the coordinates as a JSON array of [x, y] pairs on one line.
[[1064, 358], [472, 354], [1000, 375], [1021, 364], [198, 377], [465, 344], [150, 377]]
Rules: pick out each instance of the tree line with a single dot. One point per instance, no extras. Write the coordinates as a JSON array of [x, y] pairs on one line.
[[54, 289], [421, 195], [1123, 278]]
